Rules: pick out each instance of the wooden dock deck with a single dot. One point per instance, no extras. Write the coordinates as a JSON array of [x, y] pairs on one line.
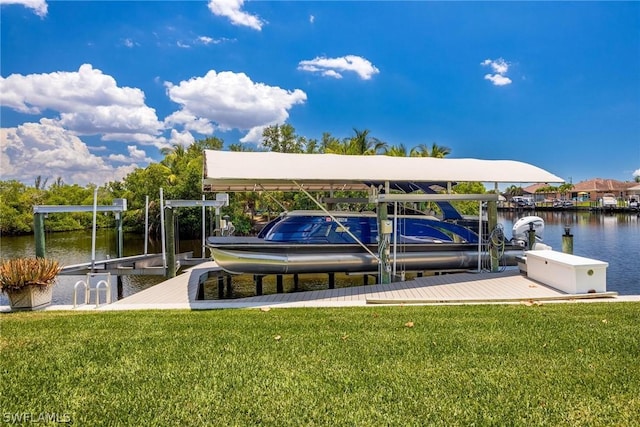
[[459, 288]]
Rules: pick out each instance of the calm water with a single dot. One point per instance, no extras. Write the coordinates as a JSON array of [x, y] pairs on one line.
[[606, 237], [614, 238], [75, 248]]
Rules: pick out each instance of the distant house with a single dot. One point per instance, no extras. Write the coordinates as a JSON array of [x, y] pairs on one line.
[[538, 194], [589, 190], [594, 189]]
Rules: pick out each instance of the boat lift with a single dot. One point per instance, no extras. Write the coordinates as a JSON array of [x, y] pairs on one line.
[[40, 212], [250, 171], [145, 264], [168, 255]]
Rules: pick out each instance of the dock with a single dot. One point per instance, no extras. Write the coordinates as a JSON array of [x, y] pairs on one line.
[[460, 288]]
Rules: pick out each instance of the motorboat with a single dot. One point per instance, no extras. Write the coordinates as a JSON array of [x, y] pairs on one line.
[[321, 241], [609, 201]]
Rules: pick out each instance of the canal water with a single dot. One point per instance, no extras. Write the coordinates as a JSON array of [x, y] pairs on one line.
[[614, 238]]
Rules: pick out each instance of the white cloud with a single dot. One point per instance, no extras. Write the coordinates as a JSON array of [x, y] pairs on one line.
[[89, 102], [332, 67], [312, 19], [206, 40], [497, 79], [232, 9], [34, 149], [135, 155], [190, 122], [228, 101], [500, 67], [182, 45], [636, 173], [129, 43], [39, 7], [182, 138]]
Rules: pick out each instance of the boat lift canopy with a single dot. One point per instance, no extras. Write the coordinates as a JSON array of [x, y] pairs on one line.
[[272, 171], [255, 171]]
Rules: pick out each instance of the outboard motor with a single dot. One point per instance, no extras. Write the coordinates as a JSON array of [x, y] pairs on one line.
[[520, 232]]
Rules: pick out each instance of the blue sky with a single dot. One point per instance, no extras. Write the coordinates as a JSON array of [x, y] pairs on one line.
[[91, 90]]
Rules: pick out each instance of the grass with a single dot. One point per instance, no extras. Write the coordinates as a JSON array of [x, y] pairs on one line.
[[565, 364]]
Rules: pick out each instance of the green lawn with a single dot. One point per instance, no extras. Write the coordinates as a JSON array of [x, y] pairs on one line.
[[555, 364]]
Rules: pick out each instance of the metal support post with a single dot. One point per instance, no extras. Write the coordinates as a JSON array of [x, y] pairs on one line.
[[492, 220], [384, 269], [38, 231], [171, 242]]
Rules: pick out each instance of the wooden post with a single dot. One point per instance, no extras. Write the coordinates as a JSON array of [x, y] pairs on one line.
[[492, 219], [38, 232], [567, 241], [229, 286], [531, 236], [200, 295], [220, 287], [120, 288], [296, 281], [279, 285], [332, 280], [365, 279], [171, 243], [258, 281]]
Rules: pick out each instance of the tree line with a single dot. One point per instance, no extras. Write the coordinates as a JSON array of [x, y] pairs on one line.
[[179, 174]]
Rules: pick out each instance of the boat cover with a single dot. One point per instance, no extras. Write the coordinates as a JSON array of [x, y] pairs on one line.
[[255, 171]]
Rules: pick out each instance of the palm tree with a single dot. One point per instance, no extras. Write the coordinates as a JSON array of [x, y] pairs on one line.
[[396, 151], [439, 151], [565, 188], [513, 190], [173, 158], [364, 144], [420, 151]]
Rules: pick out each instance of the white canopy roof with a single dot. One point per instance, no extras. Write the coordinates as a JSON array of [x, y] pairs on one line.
[[254, 171]]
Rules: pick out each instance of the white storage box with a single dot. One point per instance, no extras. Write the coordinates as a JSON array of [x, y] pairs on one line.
[[568, 273]]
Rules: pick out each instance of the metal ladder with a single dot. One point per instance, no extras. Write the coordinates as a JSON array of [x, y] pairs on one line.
[[95, 283]]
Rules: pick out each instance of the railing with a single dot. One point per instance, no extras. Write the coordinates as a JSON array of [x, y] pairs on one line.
[[102, 283]]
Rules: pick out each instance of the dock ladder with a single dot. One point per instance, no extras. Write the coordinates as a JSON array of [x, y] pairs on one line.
[[94, 284]]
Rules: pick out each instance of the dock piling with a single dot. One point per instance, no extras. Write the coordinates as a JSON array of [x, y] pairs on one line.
[[220, 287], [279, 284], [258, 281], [229, 287], [567, 241]]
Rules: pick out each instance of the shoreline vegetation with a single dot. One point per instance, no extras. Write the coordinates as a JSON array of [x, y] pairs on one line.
[[565, 364], [179, 174]]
